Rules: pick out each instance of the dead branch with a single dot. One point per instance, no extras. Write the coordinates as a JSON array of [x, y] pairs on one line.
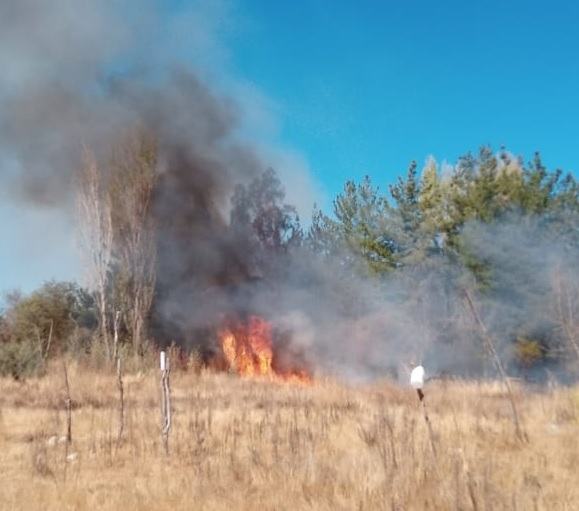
[[492, 350]]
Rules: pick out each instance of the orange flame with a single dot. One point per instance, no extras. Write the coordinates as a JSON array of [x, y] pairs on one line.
[[248, 350]]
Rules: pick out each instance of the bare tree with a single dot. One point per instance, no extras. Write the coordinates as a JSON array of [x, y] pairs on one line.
[[133, 178], [95, 234]]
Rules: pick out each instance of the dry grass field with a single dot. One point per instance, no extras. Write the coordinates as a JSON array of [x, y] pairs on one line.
[[240, 444]]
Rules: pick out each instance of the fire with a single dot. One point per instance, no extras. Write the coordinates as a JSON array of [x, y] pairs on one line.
[[247, 347]]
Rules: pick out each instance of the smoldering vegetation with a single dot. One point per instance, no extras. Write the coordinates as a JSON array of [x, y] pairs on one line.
[[86, 76], [228, 244], [362, 328]]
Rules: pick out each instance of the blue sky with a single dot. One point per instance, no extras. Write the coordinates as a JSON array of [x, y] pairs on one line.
[[365, 87], [341, 89]]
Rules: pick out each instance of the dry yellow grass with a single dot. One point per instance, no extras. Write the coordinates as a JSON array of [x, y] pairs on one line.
[[239, 445]]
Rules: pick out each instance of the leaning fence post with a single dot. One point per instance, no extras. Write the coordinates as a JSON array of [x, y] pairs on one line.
[[166, 400]]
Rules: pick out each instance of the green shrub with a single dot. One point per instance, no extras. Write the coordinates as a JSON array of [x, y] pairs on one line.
[[21, 359], [529, 352]]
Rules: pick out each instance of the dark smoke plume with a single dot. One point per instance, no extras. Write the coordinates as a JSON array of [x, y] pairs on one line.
[[80, 72], [77, 72]]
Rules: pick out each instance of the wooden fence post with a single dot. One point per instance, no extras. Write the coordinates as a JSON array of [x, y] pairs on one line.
[[68, 406], [121, 401], [166, 400]]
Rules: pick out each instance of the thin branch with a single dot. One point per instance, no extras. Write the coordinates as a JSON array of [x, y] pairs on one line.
[[492, 350]]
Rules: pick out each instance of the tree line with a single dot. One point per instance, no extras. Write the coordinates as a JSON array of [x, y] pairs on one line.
[[500, 228]]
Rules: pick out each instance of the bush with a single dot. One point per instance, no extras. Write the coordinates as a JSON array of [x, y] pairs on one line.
[[21, 359], [48, 317], [529, 352]]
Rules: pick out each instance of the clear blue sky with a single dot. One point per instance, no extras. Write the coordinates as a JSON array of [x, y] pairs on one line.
[[354, 88], [367, 86]]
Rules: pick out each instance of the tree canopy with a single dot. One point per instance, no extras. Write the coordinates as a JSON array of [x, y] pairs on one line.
[[504, 229]]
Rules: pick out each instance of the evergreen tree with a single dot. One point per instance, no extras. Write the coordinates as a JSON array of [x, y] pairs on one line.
[[361, 225]]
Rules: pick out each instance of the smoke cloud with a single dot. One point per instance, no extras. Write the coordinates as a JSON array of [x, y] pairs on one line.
[[79, 72], [364, 329]]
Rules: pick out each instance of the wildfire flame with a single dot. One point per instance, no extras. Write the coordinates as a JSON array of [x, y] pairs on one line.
[[247, 347]]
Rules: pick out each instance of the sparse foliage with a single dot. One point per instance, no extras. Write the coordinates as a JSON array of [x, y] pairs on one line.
[[132, 185], [117, 234], [95, 236]]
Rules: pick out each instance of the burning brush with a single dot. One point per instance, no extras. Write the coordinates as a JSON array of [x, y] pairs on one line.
[[249, 351]]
